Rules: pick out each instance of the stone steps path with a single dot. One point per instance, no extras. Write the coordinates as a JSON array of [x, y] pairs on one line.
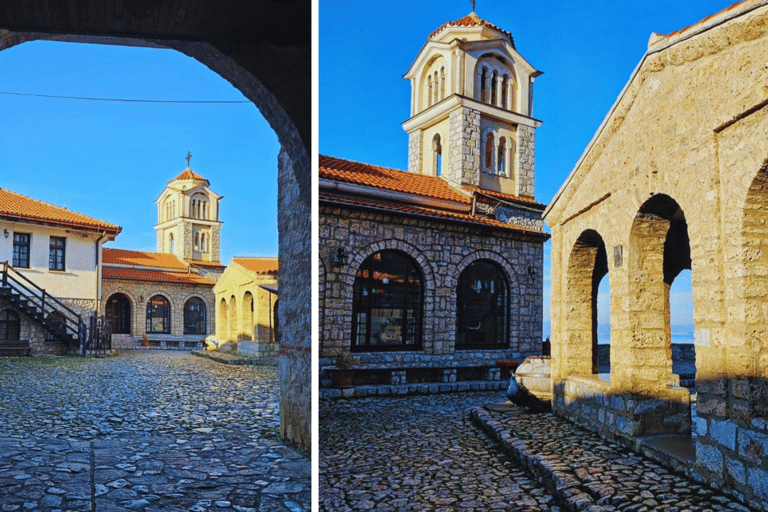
[[589, 473]]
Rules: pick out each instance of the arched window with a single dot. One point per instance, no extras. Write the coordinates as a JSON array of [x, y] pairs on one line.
[[429, 91], [159, 315], [502, 154], [203, 243], [437, 156], [118, 313], [483, 85], [442, 83], [489, 152], [482, 300], [197, 241], [170, 242], [387, 303], [494, 88], [10, 326], [194, 316]]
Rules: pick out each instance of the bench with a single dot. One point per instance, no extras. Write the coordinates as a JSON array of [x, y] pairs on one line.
[[15, 347]]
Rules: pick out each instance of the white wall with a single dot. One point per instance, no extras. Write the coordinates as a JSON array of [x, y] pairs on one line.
[[79, 278]]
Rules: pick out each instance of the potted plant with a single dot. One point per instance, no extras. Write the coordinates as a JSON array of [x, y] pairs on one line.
[[144, 340], [344, 363]]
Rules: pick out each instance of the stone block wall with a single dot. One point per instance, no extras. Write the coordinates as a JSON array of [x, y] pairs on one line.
[[295, 310], [705, 156], [139, 293], [442, 251], [464, 145], [526, 160]]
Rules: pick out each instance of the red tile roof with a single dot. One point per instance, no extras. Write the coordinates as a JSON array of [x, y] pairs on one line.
[[189, 174], [427, 212], [158, 276], [339, 169], [15, 206], [506, 197], [143, 259], [472, 20], [732, 6], [258, 265], [205, 264]]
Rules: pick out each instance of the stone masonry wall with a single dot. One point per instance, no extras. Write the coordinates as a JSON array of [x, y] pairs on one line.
[[414, 151], [526, 160], [295, 310], [464, 145], [691, 127], [139, 293], [442, 251]]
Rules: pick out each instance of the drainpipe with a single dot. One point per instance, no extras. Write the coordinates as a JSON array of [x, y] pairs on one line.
[[98, 272]]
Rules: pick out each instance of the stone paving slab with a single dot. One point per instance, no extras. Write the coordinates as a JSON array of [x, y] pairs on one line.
[[418, 453], [148, 431], [589, 473], [226, 472]]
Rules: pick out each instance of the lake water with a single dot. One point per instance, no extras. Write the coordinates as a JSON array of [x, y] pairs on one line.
[[684, 339]]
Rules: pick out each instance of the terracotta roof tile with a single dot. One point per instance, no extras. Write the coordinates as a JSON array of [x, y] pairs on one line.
[[205, 264], [158, 276], [732, 6], [189, 174], [438, 214], [19, 207], [388, 179], [472, 20], [506, 197], [143, 259], [258, 265]]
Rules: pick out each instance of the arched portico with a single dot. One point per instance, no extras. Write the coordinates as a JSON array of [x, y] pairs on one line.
[[240, 41]]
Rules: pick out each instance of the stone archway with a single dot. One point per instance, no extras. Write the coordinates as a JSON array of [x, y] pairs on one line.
[[659, 250], [587, 265], [245, 42]]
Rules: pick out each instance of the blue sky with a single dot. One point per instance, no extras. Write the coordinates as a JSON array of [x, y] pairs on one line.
[[111, 160], [586, 49]]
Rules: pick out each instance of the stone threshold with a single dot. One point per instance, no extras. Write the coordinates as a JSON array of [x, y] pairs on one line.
[[236, 359], [414, 388]]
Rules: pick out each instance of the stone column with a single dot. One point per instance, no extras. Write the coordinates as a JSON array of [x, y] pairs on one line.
[[499, 90], [295, 310]]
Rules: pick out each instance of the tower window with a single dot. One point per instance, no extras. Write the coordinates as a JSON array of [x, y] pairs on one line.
[[489, 152], [437, 156], [502, 156]]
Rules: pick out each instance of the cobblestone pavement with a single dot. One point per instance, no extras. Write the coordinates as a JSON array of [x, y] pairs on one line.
[[146, 431], [589, 473], [418, 453]]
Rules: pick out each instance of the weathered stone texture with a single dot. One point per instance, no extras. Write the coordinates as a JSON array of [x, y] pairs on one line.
[[139, 293], [294, 315], [680, 160], [442, 251]]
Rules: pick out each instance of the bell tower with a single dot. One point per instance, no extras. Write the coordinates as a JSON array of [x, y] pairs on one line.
[[471, 109], [188, 223]]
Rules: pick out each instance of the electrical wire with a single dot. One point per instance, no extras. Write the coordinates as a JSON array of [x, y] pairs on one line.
[[124, 100]]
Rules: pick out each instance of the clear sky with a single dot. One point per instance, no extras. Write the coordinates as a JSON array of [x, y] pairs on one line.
[[111, 160], [586, 49]]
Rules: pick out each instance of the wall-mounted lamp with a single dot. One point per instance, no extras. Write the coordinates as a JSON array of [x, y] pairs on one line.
[[532, 273], [6, 233], [339, 257]]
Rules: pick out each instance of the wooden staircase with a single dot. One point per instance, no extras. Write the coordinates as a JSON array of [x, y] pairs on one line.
[[55, 317]]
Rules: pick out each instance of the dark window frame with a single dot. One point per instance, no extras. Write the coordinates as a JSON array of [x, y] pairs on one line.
[[159, 309], [57, 253], [372, 292], [21, 249], [10, 325], [476, 296], [118, 313], [198, 325]]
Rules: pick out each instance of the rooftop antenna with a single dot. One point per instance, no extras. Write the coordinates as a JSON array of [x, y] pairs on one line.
[[189, 157]]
